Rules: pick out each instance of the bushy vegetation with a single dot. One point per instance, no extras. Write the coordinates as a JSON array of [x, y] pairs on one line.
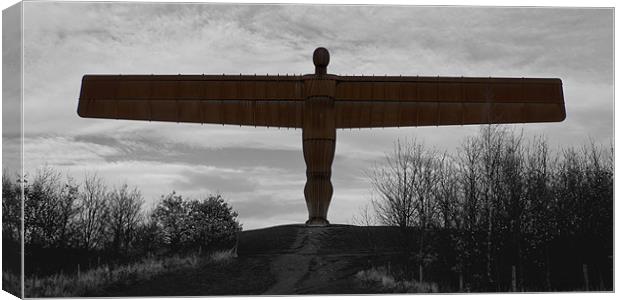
[[179, 224], [380, 277], [11, 238], [502, 214], [72, 227]]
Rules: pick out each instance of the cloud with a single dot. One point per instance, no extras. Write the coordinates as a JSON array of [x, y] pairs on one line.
[[11, 84], [11, 153], [215, 180], [62, 151], [150, 146]]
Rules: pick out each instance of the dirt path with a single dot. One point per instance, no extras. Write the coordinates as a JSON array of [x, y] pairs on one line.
[[291, 269]]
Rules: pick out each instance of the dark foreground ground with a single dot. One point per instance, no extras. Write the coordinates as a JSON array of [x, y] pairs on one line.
[[290, 259], [295, 259]]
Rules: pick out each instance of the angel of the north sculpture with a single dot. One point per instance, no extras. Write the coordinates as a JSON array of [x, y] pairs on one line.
[[319, 104]]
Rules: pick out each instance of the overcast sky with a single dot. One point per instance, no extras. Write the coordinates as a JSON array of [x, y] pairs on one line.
[[261, 171]]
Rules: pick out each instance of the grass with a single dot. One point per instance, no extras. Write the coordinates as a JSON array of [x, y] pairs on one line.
[[94, 280], [223, 256], [228, 276], [11, 283], [388, 284]]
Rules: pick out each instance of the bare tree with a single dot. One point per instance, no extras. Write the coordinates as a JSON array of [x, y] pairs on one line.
[[49, 207], [124, 216], [365, 216], [469, 181], [512, 204], [491, 140], [447, 194], [539, 201], [11, 208], [393, 183], [569, 190], [469, 203], [67, 210], [405, 185], [598, 190], [92, 212]]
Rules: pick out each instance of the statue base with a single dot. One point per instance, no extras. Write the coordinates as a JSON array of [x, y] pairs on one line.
[[317, 222]]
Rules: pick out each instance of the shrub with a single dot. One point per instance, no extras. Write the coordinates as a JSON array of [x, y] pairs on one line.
[[208, 223], [211, 221]]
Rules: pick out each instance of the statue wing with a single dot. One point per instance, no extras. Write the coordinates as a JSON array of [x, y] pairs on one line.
[[211, 99], [373, 101]]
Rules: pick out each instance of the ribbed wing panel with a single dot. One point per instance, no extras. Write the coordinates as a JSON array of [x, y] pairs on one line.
[[362, 102], [227, 99]]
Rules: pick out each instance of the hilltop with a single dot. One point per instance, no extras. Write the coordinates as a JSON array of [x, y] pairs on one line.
[[287, 259]]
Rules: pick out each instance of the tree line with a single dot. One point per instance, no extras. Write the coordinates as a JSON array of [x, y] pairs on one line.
[[504, 213], [68, 223]]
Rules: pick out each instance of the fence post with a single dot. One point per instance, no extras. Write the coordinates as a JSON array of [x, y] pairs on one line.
[[585, 277], [460, 281], [514, 278], [421, 273], [236, 244]]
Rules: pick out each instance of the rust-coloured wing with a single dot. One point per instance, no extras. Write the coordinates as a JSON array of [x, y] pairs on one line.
[[217, 99], [371, 101]]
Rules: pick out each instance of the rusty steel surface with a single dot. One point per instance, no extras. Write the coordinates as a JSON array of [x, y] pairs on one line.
[[320, 104], [231, 99], [364, 102]]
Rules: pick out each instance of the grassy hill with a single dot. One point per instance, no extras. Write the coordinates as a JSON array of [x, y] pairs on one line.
[[280, 260], [337, 259]]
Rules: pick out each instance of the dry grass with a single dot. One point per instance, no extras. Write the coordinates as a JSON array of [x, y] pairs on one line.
[[388, 283], [223, 256], [73, 285]]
